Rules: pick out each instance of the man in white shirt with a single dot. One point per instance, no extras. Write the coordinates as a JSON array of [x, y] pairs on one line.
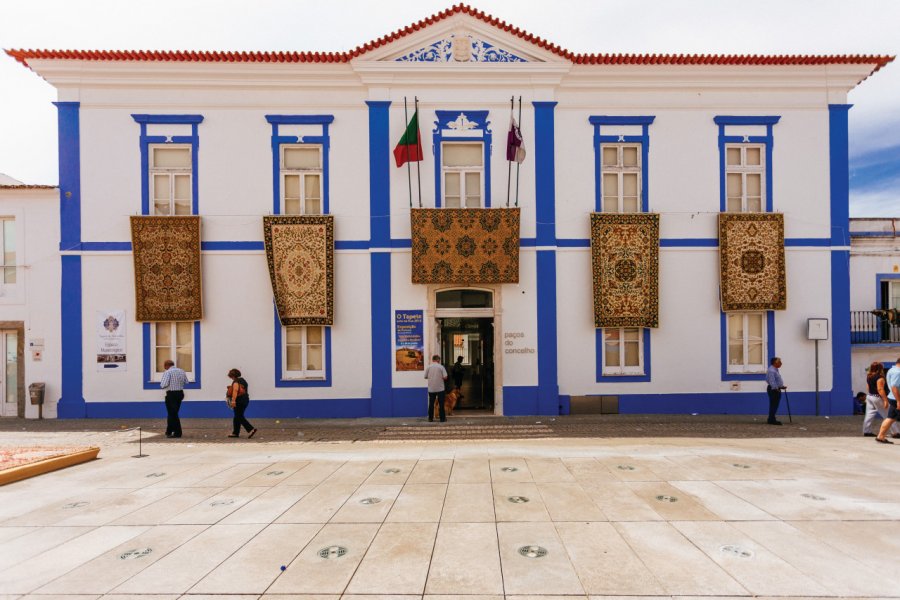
[[173, 381], [436, 375]]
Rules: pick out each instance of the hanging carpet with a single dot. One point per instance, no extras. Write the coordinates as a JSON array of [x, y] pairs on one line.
[[625, 268], [166, 253], [300, 252], [751, 261], [465, 245]]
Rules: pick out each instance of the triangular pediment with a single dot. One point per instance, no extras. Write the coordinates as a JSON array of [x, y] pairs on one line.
[[461, 38]]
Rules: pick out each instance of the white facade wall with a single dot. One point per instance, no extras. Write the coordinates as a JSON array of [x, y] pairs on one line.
[[34, 299]]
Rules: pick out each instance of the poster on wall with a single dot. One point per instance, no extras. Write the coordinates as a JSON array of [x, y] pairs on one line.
[[111, 342], [409, 340]]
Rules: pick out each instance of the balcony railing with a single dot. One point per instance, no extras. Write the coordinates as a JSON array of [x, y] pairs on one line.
[[875, 327]]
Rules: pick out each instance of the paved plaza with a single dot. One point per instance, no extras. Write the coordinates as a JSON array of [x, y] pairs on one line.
[[811, 512]]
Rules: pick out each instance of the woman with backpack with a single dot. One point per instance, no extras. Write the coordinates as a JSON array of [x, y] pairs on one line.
[[238, 400]]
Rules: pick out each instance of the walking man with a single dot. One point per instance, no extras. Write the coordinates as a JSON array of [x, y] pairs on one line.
[[893, 386], [436, 375], [774, 385], [173, 381]]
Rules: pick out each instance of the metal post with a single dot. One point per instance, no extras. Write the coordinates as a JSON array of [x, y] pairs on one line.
[[140, 453], [817, 378]]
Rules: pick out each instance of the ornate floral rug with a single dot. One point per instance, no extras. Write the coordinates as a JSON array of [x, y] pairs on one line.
[[300, 251], [21, 462], [465, 245], [167, 282], [751, 261], [625, 268]]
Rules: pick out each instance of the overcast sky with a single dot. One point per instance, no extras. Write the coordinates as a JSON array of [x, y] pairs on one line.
[[28, 120]]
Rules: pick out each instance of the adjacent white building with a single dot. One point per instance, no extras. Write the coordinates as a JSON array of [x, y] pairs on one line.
[[232, 137]]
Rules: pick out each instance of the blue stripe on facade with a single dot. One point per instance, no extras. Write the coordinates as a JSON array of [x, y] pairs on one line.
[[545, 204], [71, 402], [730, 403], [331, 408], [380, 236], [522, 400], [839, 167]]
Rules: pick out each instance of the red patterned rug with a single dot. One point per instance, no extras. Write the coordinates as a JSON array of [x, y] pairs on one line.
[[20, 462]]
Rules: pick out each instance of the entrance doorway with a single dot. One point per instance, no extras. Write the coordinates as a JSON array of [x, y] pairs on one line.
[[472, 340], [9, 373]]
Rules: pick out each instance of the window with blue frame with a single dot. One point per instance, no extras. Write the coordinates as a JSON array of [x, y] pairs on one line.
[[169, 187], [462, 149], [621, 154], [300, 173], [745, 185]]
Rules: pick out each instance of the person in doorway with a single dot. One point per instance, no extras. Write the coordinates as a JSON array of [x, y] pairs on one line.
[[458, 372], [859, 403], [774, 385], [436, 375], [877, 400], [173, 381], [893, 386], [240, 400]]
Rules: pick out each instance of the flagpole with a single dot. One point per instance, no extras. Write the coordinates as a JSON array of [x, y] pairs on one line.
[[512, 100], [408, 168], [518, 164], [421, 152]]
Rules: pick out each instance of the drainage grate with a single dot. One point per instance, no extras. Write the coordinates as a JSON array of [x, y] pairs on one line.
[[392, 471], [518, 499], [332, 552], [135, 553], [509, 469], [370, 500], [814, 497], [155, 475], [224, 502], [740, 466], [75, 505], [736, 551], [275, 473], [533, 551], [667, 498], [625, 468]]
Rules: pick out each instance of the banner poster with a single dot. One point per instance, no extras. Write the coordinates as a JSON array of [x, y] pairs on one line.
[[111, 341], [410, 340]]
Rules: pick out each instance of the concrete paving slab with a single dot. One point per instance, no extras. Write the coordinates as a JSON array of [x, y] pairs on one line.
[[397, 560], [465, 561], [469, 503], [318, 505], [547, 574], [431, 471], [269, 505], [418, 503]]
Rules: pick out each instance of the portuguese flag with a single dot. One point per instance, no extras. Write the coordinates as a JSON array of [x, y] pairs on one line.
[[409, 148]]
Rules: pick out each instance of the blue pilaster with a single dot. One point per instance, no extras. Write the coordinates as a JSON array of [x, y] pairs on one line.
[[71, 402], [839, 163], [380, 243], [545, 211]]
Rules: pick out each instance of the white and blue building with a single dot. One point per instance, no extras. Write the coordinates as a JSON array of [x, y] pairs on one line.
[[232, 137]]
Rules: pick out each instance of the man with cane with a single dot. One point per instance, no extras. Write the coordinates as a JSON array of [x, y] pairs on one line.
[[774, 385]]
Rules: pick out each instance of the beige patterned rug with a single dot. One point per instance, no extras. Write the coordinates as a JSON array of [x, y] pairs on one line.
[[751, 261], [625, 269], [300, 252], [465, 245], [167, 281]]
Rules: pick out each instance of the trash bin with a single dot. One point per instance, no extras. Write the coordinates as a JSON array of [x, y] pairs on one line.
[[36, 391]]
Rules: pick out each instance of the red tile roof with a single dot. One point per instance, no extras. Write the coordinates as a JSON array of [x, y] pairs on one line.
[[23, 56]]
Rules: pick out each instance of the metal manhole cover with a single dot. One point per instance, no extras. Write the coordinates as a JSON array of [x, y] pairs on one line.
[[736, 551], [275, 473], [332, 552], [517, 499], [75, 505], [370, 500], [625, 468], [135, 553], [740, 466], [155, 475], [814, 497], [392, 471], [509, 469], [533, 551], [667, 498], [224, 502]]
